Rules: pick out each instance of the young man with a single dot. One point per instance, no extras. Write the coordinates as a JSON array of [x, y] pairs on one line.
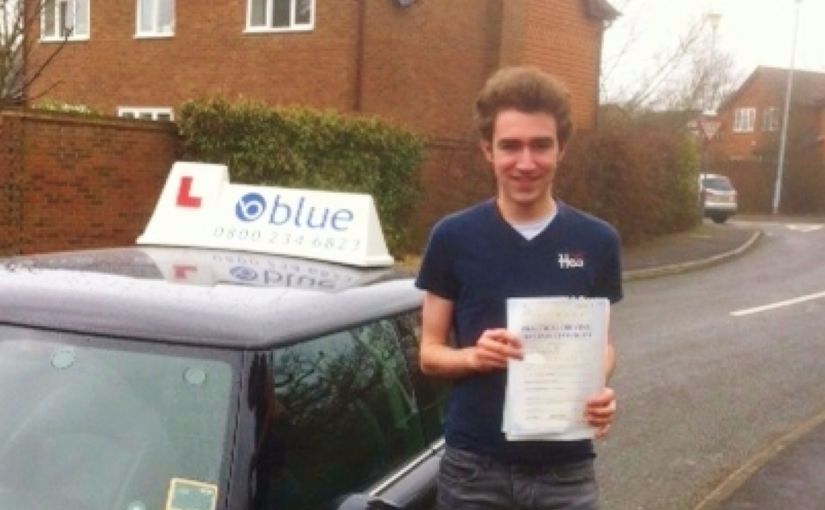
[[522, 243]]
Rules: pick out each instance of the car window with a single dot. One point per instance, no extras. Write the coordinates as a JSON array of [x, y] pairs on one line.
[[89, 424], [717, 183], [431, 392], [347, 416]]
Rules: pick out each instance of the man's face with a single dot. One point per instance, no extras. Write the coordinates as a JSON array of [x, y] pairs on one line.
[[524, 153]]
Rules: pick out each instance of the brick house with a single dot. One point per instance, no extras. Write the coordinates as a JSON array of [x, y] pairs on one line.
[[751, 118], [417, 62]]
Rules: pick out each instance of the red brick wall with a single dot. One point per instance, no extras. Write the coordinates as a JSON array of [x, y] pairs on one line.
[[10, 153], [559, 37], [209, 54], [425, 64], [803, 185], [421, 65], [86, 183]]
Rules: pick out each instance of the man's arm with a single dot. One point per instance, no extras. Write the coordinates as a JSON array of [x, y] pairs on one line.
[[438, 358]]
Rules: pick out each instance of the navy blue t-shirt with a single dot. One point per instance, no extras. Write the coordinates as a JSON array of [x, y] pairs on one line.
[[477, 260]]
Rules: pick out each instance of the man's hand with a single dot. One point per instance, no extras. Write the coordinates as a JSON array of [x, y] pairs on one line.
[[492, 350], [600, 411]]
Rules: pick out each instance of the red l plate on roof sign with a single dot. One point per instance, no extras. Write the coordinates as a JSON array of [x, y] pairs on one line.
[[199, 207]]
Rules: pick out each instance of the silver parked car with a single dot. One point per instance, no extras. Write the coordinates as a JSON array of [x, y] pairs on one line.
[[179, 375], [718, 197]]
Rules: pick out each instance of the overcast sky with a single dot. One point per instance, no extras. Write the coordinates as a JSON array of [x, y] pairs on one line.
[[754, 32]]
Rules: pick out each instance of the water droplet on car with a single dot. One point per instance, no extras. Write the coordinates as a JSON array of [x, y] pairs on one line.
[[194, 376], [63, 358]]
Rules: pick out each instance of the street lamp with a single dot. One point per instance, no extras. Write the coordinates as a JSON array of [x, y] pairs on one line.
[[713, 17], [706, 117], [783, 139]]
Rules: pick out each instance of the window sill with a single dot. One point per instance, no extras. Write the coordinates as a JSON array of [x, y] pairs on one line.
[[155, 36], [249, 30], [52, 40]]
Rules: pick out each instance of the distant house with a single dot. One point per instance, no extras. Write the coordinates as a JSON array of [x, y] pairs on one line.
[[751, 118], [419, 63]]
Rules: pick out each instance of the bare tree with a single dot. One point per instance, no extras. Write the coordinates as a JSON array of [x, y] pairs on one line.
[[707, 77], [17, 17], [689, 75]]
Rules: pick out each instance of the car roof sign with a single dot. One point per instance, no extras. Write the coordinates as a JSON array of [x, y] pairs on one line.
[[199, 207]]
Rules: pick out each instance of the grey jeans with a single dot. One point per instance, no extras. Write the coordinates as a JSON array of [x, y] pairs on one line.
[[467, 481]]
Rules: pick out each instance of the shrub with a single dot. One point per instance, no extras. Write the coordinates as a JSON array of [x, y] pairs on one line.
[[641, 180], [300, 147]]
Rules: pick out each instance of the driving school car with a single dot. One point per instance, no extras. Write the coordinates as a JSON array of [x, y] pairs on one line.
[[195, 371]]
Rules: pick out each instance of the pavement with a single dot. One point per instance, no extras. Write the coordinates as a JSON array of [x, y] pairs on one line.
[[788, 474], [705, 245]]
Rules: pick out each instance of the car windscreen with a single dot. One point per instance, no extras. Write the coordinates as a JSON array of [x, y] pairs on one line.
[[717, 183], [91, 423]]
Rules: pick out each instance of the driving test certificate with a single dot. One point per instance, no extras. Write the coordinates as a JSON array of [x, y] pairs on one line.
[[564, 342]]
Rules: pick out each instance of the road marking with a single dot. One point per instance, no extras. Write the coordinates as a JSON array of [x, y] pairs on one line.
[[778, 304], [805, 227]]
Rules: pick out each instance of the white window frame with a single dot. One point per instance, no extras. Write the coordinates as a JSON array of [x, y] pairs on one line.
[[155, 31], [744, 120], [135, 112], [74, 36], [267, 27], [770, 119]]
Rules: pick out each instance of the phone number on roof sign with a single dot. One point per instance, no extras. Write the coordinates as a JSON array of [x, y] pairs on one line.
[[315, 242]]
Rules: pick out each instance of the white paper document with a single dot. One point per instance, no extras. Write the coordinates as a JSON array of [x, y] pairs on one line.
[[564, 342]]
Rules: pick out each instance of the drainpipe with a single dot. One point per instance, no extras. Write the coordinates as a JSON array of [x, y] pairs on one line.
[[598, 92]]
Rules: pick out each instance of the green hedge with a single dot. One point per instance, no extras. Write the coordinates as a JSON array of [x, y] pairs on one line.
[[304, 148]]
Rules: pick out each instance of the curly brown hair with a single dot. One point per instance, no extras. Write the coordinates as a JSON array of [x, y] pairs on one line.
[[526, 89]]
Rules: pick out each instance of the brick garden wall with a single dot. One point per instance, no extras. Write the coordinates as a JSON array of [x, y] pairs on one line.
[[10, 203], [69, 182], [74, 182], [803, 186]]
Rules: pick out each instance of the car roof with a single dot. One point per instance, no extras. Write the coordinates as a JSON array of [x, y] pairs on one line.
[[196, 296]]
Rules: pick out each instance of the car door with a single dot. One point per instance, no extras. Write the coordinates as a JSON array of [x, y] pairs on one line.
[[341, 420]]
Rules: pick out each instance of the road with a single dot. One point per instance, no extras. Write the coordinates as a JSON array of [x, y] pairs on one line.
[[708, 377]]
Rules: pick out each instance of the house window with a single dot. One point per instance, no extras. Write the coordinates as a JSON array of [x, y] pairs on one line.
[[155, 18], [743, 120], [280, 15], [130, 112], [770, 119], [64, 20]]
